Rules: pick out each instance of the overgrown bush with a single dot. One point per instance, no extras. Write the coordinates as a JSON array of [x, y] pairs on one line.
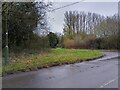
[[79, 42], [69, 43], [53, 39]]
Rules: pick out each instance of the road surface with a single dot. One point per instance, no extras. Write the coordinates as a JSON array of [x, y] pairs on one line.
[[90, 74]]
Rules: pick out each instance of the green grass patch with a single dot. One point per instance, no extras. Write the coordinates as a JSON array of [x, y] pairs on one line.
[[53, 58]]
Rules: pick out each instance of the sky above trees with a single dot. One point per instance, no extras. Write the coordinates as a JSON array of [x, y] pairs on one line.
[[56, 18]]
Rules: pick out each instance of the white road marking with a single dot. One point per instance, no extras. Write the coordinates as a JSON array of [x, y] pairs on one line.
[[105, 84]]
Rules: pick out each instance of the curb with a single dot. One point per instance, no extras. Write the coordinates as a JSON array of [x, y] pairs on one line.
[[108, 58]]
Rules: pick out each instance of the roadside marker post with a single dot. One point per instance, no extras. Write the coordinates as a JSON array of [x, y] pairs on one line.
[[6, 47]]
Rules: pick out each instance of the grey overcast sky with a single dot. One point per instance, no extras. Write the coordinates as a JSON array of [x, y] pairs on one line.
[[56, 18]]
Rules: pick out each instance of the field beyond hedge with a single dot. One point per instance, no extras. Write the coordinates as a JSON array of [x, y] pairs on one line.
[[55, 57]]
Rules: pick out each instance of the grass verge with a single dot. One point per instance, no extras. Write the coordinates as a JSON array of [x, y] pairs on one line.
[[45, 60]]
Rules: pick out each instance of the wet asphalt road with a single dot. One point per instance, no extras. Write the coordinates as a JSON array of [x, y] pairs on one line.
[[89, 74]]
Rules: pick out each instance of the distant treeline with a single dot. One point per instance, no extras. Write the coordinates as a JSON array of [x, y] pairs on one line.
[[90, 30]]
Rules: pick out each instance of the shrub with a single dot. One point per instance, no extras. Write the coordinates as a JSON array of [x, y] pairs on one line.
[[69, 43]]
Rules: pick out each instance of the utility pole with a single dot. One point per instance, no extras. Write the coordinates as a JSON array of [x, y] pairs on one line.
[[6, 47]]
